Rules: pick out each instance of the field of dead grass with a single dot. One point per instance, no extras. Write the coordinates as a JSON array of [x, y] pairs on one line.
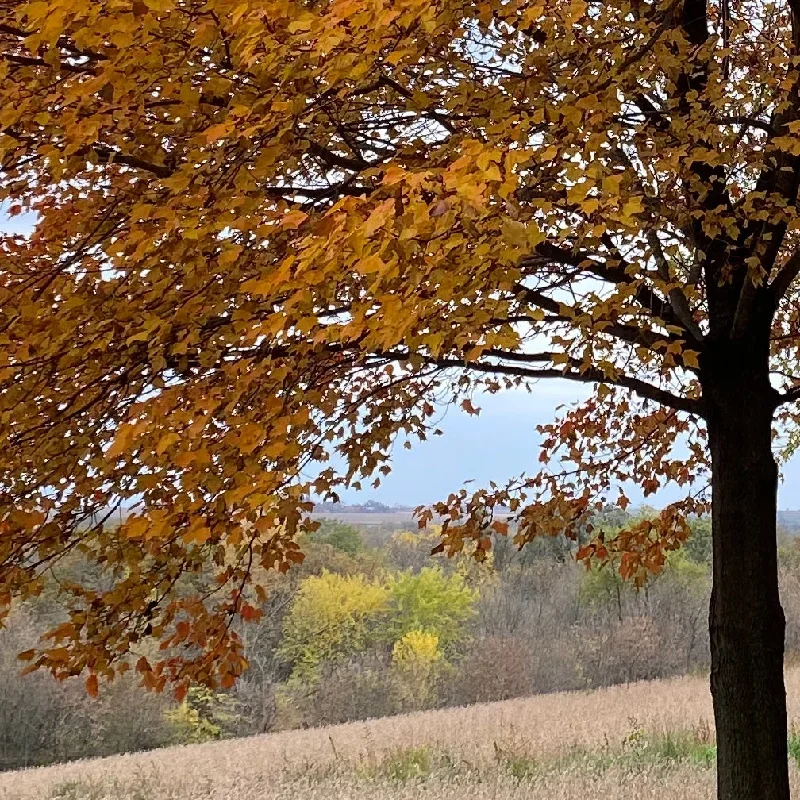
[[646, 740]]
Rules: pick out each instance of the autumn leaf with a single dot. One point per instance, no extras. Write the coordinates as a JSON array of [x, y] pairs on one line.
[[467, 405], [244, 281]]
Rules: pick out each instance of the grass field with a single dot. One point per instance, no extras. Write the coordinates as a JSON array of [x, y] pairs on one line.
[[646, 740]]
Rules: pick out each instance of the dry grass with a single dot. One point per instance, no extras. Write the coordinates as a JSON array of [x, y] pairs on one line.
[[549, 746]]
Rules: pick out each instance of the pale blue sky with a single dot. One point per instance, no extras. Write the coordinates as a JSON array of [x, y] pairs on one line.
[[499, 444]]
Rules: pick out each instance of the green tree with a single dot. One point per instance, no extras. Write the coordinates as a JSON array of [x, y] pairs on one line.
[[432, 602], [602, 586], [332, 617], [203, 715], [699, 545], [340, 536]]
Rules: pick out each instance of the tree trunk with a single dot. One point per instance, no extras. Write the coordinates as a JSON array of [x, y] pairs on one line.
[[746, 619]]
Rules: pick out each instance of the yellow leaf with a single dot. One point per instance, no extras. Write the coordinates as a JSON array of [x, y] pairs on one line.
[[136, 527], [229, 255], [293, 219], [124, 439], [379, 216], [303, 23], [166, 441], [690, 359]]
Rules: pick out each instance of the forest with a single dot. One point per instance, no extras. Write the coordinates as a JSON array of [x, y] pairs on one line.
[[370, 624]]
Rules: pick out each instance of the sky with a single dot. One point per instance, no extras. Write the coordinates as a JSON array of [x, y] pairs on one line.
[[500, 444]]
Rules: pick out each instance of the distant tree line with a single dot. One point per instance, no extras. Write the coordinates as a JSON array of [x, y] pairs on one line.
[[370, 624]]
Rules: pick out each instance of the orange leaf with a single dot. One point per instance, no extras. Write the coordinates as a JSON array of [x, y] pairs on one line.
[[469, 408]]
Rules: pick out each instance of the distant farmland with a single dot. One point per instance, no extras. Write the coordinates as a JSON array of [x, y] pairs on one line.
[[790, 521], [369, 519]]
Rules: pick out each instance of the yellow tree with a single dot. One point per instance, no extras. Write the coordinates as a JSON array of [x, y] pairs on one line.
[[268, 231]]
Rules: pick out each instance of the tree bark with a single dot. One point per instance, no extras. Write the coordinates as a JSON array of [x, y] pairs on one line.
[[746, 619]]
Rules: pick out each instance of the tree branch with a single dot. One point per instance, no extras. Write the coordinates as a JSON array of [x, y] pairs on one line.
[[787, 273], [677, 299], [28, 61], [590, 375], [626, 333], [106, 155], [616, 273], [331, 159], [790, 395]]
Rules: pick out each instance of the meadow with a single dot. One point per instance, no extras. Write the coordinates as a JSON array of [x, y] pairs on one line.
[[651, 739]]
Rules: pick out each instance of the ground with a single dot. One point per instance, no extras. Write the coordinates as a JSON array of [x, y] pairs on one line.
[[645, 740]]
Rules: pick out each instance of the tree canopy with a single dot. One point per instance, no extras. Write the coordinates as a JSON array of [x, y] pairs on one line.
[[271, 239]]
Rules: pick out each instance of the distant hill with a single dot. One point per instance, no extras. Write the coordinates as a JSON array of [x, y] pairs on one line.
[[370, 507], [789, 520]]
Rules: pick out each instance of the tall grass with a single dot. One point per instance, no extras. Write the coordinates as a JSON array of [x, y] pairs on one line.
[[640, 742]]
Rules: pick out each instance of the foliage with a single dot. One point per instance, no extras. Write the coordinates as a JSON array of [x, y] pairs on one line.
[[340, 536], [418, 663], [698, 546], [337, 616], [533, 597], [416, 648], [432, 602], [268, 235], [602, 584], [362, 686], [332, 617], [691, 575], [192, 727], [203, 715], [412, 550]]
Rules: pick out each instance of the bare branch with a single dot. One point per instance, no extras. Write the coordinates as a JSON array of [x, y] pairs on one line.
[[616, 271], [677, 299], [106, 155], [790, 395], [631, 334], [590, 375], [28, 61]]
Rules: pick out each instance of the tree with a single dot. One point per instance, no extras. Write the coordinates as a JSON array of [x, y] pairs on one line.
[[267, 232], [332, 617], [698, 546], [418, 662], [339, 536], [430, 602]]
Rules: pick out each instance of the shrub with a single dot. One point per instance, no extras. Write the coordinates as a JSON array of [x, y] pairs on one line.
[[418, 664], [358, 688], [493, 668], [203, 716]]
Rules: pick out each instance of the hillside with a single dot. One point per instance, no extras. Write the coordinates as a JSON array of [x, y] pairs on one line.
[[646, 740]]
